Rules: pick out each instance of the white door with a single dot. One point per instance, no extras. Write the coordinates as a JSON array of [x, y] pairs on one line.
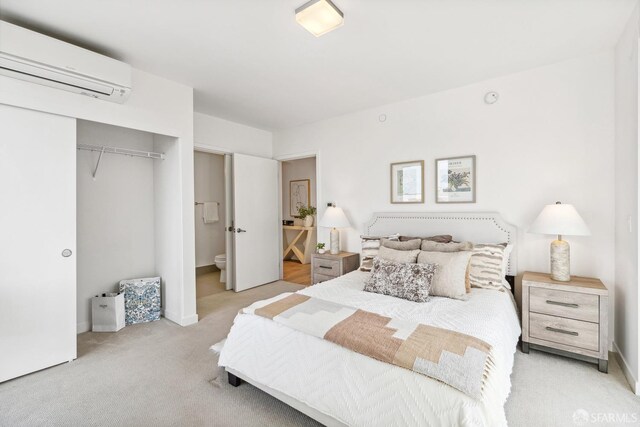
[[228, 218], [37, 241], [256, 258]]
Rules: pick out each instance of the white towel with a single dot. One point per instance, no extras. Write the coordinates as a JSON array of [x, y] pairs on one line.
[[210, 212]]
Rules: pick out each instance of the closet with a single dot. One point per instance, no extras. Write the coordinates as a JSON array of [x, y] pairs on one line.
[[75, 220], [115, 210]]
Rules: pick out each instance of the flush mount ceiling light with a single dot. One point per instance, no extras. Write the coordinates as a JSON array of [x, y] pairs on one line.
[[319, 17]]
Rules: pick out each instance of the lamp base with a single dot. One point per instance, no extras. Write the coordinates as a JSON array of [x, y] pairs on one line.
[[335, 241], [560, 261]]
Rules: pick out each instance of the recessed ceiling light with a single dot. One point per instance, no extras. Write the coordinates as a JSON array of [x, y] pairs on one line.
[[319, 17]]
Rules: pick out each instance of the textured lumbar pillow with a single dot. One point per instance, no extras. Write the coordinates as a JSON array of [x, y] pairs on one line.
[[428, 245], [398, 256], [450, 278], [403, 280], [407, 245], [486, 266], [370, 247]]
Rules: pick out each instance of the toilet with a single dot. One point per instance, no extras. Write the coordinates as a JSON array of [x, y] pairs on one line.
[[221, 263]]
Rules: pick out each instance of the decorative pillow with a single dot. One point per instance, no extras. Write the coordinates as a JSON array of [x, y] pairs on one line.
[[402, 280], [398, 256], [370, 246], [430, 246], [505, 264], [409, 245], [486, 266], [442, 238], [450, 278]]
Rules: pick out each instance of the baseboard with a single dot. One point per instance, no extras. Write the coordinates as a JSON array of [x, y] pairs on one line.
[[633, 382], [82, 327], [189, 320]]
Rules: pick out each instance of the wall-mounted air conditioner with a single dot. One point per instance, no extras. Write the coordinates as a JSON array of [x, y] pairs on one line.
[[33, 57]]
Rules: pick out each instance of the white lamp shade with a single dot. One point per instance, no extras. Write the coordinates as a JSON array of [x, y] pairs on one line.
[[560, 219], [334, 218]]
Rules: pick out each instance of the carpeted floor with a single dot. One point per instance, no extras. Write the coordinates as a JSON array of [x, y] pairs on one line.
[[163, 375]]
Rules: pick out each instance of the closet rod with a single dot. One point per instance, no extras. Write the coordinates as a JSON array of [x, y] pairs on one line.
[[123, 151], [202, 203]]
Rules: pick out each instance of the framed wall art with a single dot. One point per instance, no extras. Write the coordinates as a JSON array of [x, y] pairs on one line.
[[456, 180], [407, 182], [299, 195]]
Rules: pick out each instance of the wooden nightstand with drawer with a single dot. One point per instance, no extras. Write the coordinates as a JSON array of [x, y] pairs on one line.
[[568, 316], [326, 266]]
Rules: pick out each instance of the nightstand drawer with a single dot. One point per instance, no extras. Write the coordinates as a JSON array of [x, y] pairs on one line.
[[328, 267], [318, 278], [573, 305], [570, 332]]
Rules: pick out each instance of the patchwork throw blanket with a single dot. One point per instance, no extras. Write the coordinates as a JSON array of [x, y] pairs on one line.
[[459, 360]]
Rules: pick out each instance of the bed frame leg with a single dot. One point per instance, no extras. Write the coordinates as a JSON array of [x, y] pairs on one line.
[[233, 380]]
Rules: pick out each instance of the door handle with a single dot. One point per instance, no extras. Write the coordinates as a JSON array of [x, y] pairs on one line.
[[240, 230], [66, 253]]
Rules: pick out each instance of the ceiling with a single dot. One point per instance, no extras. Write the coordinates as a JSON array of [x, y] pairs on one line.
[[250, 62]]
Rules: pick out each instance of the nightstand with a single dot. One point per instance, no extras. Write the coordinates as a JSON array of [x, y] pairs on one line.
[[326, 266], [571, 317]]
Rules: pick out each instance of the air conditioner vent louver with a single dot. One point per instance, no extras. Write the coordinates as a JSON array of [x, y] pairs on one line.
[[33, 57]]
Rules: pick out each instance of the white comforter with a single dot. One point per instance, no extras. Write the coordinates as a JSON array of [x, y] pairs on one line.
[[361, 391]]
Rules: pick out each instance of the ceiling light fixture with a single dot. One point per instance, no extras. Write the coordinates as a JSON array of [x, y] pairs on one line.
[[319, 17]]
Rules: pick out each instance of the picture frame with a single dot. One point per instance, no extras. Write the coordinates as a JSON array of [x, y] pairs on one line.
[[299, 195], [407, 182], [456, 179]]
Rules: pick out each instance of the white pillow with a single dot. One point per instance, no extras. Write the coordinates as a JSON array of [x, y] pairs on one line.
[[450, 277]]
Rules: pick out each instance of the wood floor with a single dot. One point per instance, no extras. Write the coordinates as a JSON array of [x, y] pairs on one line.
[[294, 272]]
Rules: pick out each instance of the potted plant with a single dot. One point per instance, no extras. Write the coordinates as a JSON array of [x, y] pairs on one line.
[[306, 214], [320, 248]]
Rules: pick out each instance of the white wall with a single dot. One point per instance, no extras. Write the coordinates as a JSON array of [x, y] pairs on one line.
[[626, 199], [159, 106], [294, 170], [550, 137], [115, 214], [224, 136], [209, 187]]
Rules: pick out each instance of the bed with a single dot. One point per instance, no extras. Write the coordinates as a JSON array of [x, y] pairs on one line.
[[340, 387]]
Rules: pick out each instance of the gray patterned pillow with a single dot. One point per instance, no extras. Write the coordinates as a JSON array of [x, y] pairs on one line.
[[402, 280], [485, 267]]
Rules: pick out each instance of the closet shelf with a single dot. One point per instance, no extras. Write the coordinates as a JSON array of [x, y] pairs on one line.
[[115, 150], [123, 151]]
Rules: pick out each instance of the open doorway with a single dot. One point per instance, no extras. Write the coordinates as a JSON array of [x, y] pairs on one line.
[[299, 228], [209, 216]]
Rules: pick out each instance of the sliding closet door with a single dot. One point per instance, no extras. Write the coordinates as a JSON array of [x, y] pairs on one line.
[[37, 241], [256, 236]]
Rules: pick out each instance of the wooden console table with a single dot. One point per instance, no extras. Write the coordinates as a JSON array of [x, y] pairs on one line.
[[302, 249]]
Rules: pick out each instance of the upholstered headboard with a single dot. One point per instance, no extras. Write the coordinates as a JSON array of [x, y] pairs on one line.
[[483, 227]]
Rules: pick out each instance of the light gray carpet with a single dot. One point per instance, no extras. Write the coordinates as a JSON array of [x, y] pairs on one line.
[[163, 375]]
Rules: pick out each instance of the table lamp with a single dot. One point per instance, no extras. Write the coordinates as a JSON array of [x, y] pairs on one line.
[[334, 218], [562, 220]]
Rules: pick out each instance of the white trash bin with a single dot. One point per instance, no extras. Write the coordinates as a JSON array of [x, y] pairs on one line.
[[108, 312]]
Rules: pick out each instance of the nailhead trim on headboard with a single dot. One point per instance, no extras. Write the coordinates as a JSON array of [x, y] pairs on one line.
[[494, 218]]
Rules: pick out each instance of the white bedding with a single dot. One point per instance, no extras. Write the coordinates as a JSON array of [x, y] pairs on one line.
[[360, 391]]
